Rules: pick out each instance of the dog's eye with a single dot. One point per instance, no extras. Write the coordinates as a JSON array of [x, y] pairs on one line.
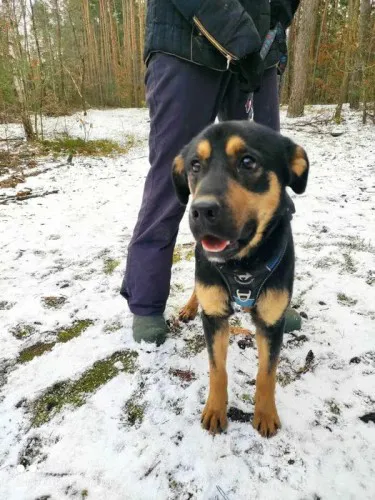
[[195, 166], [248, 162]]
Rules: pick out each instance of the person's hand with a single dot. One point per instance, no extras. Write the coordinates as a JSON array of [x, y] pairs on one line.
[[250, 71]]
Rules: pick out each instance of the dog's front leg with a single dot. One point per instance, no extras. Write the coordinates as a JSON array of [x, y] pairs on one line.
[[266, 419], [269, 319], [216, 331]]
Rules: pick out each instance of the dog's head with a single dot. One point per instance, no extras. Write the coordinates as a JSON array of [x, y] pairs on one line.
[[237, 173]]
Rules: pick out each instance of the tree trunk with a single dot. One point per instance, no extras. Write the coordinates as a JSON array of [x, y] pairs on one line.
[[349, 43], [354, 80], [58, 34], [16, 54], [287, 77], [306, 28], [357, 89], [367, 46], [319, 40]]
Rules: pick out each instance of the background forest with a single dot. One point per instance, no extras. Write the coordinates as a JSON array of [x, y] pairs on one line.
[[59, 56]]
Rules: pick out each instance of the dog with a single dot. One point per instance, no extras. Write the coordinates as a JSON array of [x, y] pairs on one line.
[[237, 173]]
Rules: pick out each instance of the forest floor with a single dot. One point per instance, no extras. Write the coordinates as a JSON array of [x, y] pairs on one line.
[[85, 412]]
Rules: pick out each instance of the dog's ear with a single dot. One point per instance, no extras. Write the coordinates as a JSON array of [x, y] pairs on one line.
[[298, 164], [180, 179]]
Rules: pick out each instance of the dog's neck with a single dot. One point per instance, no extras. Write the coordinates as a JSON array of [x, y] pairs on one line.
[[246, 278]]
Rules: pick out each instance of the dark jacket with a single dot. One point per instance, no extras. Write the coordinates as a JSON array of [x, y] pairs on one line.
[[214, 33], [206, 32], [282, 11]]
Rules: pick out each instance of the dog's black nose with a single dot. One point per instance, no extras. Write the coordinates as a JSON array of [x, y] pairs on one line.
[[207, 210]]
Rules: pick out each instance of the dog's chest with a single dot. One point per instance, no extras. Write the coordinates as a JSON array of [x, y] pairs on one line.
[[245, 281]]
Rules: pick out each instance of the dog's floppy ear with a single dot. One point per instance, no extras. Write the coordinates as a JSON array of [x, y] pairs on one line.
[[180, 179], [298, 166]]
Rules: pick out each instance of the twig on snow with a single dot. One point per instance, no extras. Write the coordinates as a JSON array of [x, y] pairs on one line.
[[222, 493], [26, 196], [4, 139], [150, 469]]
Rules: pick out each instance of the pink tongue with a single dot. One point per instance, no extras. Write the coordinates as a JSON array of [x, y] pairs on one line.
[[212, 244]]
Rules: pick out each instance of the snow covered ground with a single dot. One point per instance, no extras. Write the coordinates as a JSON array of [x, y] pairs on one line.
[[79, 421]]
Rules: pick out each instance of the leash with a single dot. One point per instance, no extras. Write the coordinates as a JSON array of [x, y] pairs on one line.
[[268, 41]]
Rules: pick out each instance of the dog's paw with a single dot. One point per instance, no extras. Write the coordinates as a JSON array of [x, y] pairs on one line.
[[187, 313], [214, 419], [266, 423]]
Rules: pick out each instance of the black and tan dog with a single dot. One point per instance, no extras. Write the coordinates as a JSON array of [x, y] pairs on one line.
[[237, 173]]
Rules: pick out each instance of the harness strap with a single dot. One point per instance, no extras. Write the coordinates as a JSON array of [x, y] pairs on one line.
[[245, 284]]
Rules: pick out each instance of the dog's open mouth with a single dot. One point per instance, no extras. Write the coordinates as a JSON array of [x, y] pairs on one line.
[[213, 244], [220, 248]]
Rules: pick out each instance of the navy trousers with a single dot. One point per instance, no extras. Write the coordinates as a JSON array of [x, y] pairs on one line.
[[183, 98], [266, 101]]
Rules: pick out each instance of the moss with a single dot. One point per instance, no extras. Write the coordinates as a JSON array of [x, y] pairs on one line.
[[175, 405], [333, 407], [337, 120], [370, 278], [349, 264], [84, 494], [174, 327], [85, 276], [183, 252], [177, 487], [357, 243], [134, 412], [345, 300], [285, 379], [52, 302], [194, 345], [177, 255], [112, 327], [71, 145], [132, 142], [63, 335], [236, 321], [190, 254], [32, 452], [35, 350], [286, 374], [23, 330], [246, 398], [179, 287], [75, 330], [74, 392], [326, 262], [110, 265]]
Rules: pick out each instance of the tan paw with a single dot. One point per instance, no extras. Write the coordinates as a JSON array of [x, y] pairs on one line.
[[187, 313], [266, 423], [214, 419]]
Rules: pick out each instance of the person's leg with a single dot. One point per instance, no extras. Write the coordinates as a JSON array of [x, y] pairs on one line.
[[266, 101], [182, 99], [233, 104]]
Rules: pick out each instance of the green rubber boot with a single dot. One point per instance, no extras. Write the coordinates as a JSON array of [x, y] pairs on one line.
[[293, 320], [151, 329]]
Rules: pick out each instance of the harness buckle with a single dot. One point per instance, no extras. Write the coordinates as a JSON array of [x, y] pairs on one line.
[[244, 299]]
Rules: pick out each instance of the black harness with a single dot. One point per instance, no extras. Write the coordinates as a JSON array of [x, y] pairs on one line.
[[245, 280]]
